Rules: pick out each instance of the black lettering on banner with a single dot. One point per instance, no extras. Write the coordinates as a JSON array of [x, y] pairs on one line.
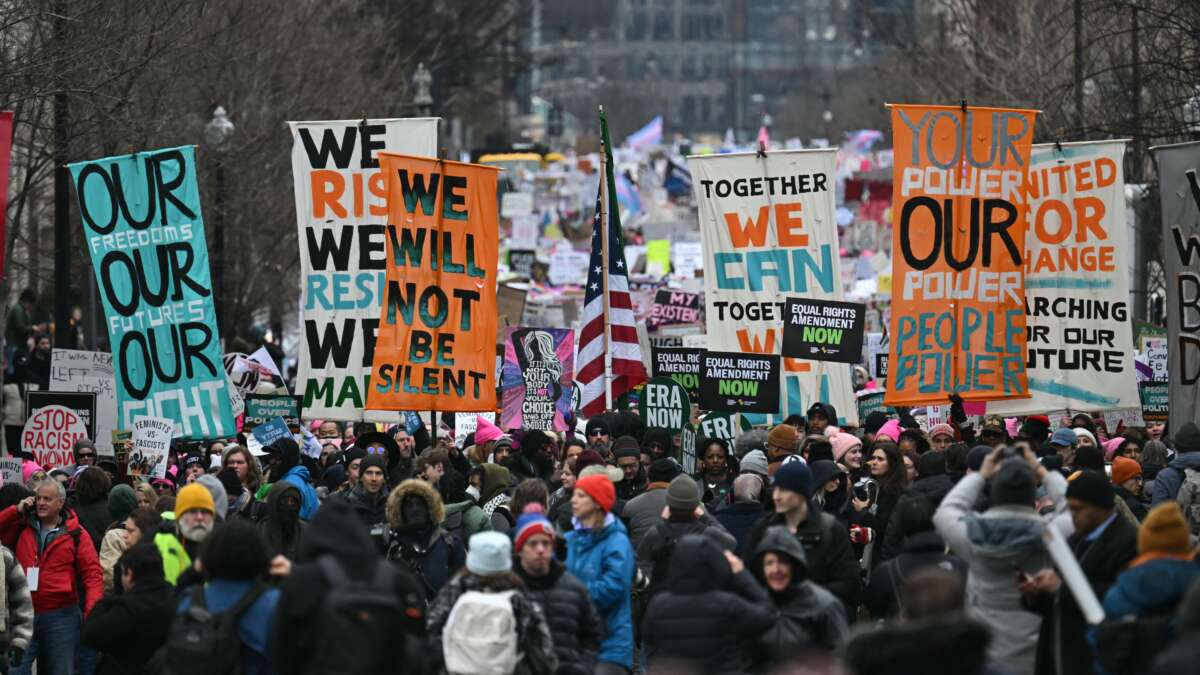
[[737, 382], [82, 403]]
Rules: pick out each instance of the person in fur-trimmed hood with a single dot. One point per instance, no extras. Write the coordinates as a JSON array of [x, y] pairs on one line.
[[415, 513]]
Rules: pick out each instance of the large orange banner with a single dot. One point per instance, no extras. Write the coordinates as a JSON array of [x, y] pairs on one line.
[[436, 347], [958, 242]]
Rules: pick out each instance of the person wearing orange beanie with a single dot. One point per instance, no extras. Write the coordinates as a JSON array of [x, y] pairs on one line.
[[1127, 485], [1152, 586], [599, 554]]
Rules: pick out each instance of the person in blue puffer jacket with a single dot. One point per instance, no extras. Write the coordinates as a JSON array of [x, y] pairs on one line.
[[284, 465], [599, 554], [1140, 607]]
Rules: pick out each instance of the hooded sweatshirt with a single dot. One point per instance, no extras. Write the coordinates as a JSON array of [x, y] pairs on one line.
[[806, 614], [282, 530]]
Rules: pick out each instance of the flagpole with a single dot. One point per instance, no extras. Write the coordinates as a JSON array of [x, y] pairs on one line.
[[604, 234]]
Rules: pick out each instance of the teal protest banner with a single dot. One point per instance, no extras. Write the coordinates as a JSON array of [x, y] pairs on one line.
[[144, 231]]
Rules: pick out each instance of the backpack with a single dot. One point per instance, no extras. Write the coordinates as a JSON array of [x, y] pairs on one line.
[[200, 642], [1129, 644], [1188, 498], [480, 636], [359, 622]]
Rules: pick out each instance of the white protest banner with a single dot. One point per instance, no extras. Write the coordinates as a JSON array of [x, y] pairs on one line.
[[1156, 358], [524, 232], [514, 204], [568, 267], [10, 470], [686, 258], [1077, 283], [464, 424], [151, 441], [769, 232], [341, 211], [84, 371], [50, 434]]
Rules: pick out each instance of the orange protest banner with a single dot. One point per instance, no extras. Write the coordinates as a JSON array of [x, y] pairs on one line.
[[436, 347], [958, 246]]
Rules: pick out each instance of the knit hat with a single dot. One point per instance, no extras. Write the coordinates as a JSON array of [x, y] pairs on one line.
[[976, 456], [1064, 438], [1080, 432], [842, 443], [28, 468], [626, 446], [194, 496], [942, 429], [874, 421], [596, 424], [755, 461], [121, 502], [1187, 439], [794, 476], [195, 457], [532, 522], [1013, 484], [683, 494], [485, 431], [1111, 446], [1090, 457], [891, 429], [1165, 530], [600, 489], [822, 472], [376, 461], [665, 470], [217, 490], [1123, 469], [784, 436], [489, 553], [931, 464], [1091, 487]]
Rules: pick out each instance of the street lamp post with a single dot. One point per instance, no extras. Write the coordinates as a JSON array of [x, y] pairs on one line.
[[423, 99], [216, 133]]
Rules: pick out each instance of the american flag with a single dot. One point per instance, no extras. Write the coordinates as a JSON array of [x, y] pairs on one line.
[[627, 368]]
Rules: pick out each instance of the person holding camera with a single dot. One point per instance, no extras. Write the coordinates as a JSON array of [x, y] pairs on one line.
[[875, 497], [1002, 546]]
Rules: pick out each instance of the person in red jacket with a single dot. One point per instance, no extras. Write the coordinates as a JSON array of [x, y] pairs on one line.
[[57, 555]]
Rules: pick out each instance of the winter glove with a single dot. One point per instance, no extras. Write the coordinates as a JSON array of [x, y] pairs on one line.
[[958, 413], [15, 655]]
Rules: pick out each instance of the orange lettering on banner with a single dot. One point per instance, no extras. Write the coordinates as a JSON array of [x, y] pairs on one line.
[[435, 348], [958, 254]]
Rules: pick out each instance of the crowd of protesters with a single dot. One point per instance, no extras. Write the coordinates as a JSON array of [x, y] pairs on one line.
[[881, 548]]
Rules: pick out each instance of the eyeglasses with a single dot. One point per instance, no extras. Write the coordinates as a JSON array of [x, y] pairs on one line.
[[597, 432], [376, 450]]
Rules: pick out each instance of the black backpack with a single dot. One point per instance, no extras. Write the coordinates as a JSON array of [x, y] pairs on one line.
[[201, 642], [1129, 644], [360, 622]]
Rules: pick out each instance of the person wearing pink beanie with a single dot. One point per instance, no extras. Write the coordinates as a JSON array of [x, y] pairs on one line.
[[28, 468], [846, 444], [890, 430]]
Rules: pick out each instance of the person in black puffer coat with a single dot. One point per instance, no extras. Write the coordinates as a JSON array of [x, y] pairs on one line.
[[919, 547], [368, 498], [810, 619], [710, 598], [574, 622], [127, 628], [418, 541], [931, 484], [91, 492], [304, 624]]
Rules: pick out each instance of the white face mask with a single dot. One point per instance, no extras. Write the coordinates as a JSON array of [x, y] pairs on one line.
[[474, 492]]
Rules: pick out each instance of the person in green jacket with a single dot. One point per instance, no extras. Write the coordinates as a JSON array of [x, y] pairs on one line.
[[463, 516], [195, 515]]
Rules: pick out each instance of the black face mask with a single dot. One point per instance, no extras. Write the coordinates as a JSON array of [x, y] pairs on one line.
[[289, 510], [415, 512]]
